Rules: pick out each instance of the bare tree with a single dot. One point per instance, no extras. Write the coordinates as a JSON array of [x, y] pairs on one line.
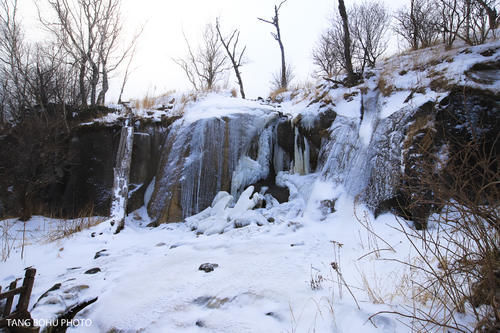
[[126, 76], [490, 8], [235, 56], [481, 18], [369, 23], [418, 25], [89, 31], [454, 14], [277, 78], [324, 56], [347, 44], [12, 53], [277, 36], [204, 68], [329, 55]]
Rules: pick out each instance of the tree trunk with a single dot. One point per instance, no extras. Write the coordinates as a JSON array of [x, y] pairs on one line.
[[101, 99], [347, 44], [284, 83], [83, 90], [93, 84], [492, 14], [240, 82], [414, 26]]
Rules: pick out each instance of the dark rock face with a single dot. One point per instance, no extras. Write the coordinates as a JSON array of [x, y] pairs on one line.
[[285, 136], [90, 180], [75, 172], [145, 157], [443, 129], [83, 184]]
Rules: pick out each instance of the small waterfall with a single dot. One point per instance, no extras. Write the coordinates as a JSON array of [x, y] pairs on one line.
[[364, 154], [349, 153], [121, 175], [347, 158]]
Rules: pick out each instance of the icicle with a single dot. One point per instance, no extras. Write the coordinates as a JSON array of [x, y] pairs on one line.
[[301, 154]]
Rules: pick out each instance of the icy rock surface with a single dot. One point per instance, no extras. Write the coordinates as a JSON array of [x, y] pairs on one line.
[[363, 155], [209, 155]]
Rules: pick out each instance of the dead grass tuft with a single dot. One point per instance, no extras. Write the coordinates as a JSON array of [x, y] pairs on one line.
[[275, 95], [69, 227], [384, 87]]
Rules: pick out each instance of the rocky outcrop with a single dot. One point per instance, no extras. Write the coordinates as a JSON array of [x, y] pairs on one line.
[[145, 158], [85, 174], [432, 135]]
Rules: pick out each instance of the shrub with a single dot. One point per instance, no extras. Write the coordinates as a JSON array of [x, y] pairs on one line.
[[460, 254]]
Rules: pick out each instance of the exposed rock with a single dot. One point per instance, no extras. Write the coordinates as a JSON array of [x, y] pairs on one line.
[[67, 315], [91, 177], [56, 286], [485, 72], [148, 142], [327, 206], [436, 130], [285, 135], [274, 315], [294, 225], [76, 289], [211, 302], [101, 253], [93, 270], [208, 267]]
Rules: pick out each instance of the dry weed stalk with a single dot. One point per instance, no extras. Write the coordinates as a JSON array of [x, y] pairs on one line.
[[67, 228], [460, 253]]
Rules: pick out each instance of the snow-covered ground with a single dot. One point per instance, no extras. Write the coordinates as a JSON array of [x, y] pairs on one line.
[[288, 275]]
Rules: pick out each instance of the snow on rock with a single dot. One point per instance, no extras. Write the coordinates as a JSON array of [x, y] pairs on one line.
[[216, 106], [220, 217]]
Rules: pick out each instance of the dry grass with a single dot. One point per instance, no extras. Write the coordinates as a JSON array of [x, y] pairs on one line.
[[440, 84], [385, 88], [69, 227], [459, 259], [275, 95], [7, 242], [234, 93]]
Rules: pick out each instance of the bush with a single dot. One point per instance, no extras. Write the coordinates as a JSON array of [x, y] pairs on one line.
[[459, 253]]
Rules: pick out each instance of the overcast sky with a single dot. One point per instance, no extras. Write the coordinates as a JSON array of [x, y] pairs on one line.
[[154, 72]]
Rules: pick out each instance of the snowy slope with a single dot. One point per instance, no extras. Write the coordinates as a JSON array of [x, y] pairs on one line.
[[149, 278]]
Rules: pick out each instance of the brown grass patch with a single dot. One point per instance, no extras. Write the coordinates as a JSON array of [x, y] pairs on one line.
[[275, 95], [440, 84], [385, 88], [69, 227]]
